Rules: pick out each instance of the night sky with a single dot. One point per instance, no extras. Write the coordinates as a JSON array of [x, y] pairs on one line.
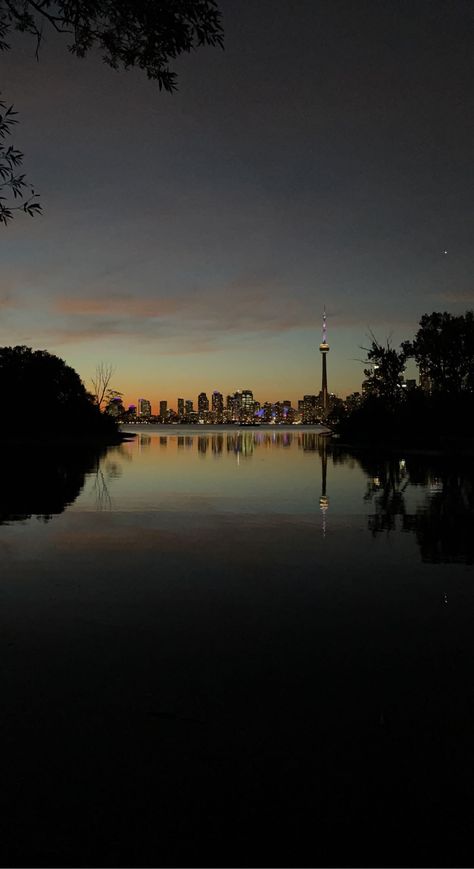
[[191, 240]]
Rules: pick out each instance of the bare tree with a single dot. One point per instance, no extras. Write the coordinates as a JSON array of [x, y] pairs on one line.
[[100, 381]]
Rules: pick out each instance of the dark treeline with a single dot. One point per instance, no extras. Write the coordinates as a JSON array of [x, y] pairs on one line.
[[437, 413], [44, 400]]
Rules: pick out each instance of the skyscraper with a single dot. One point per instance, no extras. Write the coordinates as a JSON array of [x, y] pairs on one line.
[[163, 410], [180, 409], [144, 407], [203, 406], [218, 406], [324, 349], [246, 405], [310, 409], [234, 403]]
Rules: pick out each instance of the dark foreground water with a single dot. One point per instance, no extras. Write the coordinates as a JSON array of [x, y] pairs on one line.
[[236, 648]]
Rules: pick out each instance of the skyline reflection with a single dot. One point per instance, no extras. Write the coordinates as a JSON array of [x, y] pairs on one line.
[[426, 497], [232, 608]]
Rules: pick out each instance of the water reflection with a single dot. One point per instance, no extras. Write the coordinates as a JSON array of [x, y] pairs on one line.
[[424, 496], [324, 500], [44, 482], [428, 497], [183, 648], [103, 501], [442, 517], [241, 442]]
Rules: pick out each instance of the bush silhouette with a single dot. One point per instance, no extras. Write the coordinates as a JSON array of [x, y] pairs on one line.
[[47, 397]]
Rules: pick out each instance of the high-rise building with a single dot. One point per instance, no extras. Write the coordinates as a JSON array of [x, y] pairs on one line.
[[203, 406], [289, 412], [324, 350], [229, 408], [236, 399], [180, 409], [310, 409], [144, 407], [163, 410], [246, 405], [218, 406], [232, 410], [189, 409], [277, 412]]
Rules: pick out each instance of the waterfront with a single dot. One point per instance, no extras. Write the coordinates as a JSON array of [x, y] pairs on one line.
[[239, 647]]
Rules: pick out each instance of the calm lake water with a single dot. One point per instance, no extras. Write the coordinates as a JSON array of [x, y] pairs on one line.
[[236, 647]]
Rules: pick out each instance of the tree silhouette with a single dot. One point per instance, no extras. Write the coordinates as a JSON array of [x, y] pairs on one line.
[[443, 348], [15, 192], [147, 34], [385, 372], [47, 397]]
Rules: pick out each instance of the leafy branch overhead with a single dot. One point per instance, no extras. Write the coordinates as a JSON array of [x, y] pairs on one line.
[[15, 192], [146, 34]]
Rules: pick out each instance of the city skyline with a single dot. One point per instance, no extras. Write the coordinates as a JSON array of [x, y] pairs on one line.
[[322, 158], [325, 390], [157, 394], [218, 404]]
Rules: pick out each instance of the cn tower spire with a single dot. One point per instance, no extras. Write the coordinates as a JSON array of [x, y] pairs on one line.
[[324, 349]]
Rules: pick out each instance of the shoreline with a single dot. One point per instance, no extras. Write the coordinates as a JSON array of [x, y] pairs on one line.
[[218, 428], [451, 450], [61, 440]]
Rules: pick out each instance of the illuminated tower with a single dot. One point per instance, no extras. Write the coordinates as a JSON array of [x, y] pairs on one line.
[[324, 349]]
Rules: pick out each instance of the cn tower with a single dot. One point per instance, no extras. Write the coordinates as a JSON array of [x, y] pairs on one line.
[[324, 349]]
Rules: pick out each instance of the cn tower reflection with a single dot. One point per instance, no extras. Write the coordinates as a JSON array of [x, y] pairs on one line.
[[312, 442], [324, 500]]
